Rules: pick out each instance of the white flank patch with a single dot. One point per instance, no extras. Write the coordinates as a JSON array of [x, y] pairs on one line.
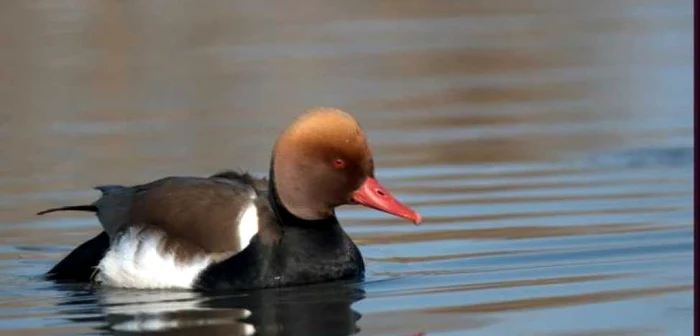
[[130, 266], [247, 225]]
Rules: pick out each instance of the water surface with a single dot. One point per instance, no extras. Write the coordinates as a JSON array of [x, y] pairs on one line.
[[547, 144]]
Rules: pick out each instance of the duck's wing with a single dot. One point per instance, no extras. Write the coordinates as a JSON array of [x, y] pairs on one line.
[[213, 214], [163, 233], [216, 214]]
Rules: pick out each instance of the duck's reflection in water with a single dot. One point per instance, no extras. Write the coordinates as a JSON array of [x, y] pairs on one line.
[[311, 310]]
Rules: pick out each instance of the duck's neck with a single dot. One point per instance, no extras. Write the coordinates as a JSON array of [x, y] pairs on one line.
[[285, 217]]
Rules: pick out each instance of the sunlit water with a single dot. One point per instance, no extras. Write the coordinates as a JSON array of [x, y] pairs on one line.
[[547, 144]]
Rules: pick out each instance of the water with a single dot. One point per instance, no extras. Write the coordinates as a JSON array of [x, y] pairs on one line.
[[547, 144]]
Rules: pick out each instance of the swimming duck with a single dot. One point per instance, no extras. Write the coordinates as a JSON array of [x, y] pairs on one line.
[[232, 231]]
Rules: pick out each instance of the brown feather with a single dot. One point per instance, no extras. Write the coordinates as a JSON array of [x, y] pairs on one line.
[[203, 212]]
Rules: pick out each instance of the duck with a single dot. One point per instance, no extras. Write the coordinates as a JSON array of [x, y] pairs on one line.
[[233, 231]]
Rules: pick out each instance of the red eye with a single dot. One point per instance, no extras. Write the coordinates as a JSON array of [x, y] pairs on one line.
[[338, 164]]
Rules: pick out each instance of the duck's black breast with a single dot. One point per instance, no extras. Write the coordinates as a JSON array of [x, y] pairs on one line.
[[301, 255], [287, 251]]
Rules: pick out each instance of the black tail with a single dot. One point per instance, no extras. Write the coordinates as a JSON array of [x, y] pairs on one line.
[[87, 208]]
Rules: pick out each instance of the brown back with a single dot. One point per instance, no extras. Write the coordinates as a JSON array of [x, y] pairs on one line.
[[203, 212]]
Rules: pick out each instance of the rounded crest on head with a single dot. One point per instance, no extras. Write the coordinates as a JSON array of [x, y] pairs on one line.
[[319, 160], [328, 134]]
